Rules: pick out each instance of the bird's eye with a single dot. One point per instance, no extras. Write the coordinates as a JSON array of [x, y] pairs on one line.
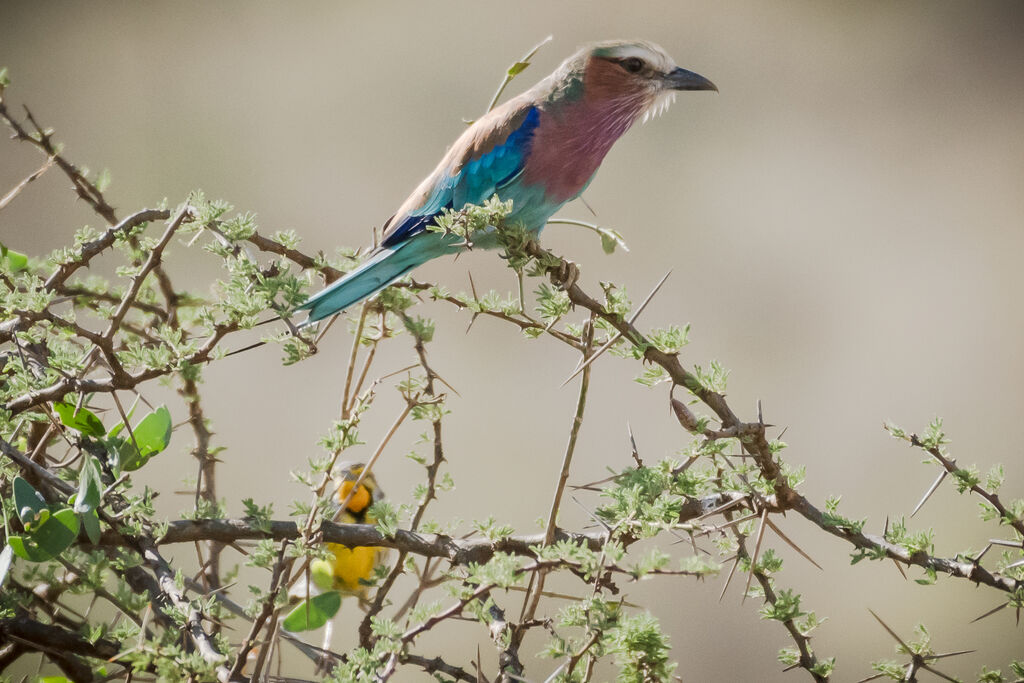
[[632, 64]]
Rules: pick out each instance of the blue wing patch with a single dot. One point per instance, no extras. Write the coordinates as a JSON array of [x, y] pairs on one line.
[[475, 182]]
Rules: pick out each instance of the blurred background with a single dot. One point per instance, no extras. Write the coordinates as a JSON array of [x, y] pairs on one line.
[[843, 222]]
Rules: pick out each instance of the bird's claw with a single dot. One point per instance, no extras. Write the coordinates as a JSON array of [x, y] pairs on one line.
[[325, 663], [566, 275]]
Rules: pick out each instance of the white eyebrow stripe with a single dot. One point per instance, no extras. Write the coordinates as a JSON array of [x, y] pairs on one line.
[[655, 57]]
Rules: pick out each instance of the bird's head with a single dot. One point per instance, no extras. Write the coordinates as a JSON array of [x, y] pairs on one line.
[[633, 72], [353, 490]]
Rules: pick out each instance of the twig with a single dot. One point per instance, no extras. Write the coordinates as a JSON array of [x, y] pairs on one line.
[[618, 335], [16, 190], [516, 69], [279, 579], [356, 340], [532, 599]]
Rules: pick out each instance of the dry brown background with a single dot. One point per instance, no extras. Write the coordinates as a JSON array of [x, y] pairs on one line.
[[843, 221]]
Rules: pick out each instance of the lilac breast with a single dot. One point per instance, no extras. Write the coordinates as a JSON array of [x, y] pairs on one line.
[[569, 144]]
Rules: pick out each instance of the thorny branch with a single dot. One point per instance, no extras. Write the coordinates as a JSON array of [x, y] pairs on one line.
[[454, 550], [754, 442], [432, 469], [162, 585], [153, 576], [807, 659]]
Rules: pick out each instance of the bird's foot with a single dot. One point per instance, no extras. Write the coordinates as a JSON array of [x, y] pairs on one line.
[[325, 664], [566, 275]]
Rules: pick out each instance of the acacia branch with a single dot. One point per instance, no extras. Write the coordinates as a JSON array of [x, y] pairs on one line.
[[807, 660], [86, 189], [157, 579], [949, 464], [751, 436], [58, 389], [47, 637], [43, 140], [104, 241], [152, 261], [170, 592], [522, 324], [366, 625], [300, 259], [456, 551]]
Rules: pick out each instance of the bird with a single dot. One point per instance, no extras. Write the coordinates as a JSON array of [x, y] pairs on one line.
[[344, 570], [349, 569], [538, 150]]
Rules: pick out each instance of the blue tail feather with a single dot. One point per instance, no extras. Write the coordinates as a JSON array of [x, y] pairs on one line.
[[380, 270]]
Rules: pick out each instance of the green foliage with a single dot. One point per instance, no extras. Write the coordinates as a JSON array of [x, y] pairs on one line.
[[162, 333], [27, 501], [995, 478], [259, 515], [712, 379], [934, 436], [473, 222], [126, 453], [652, 375], [895, 431], [386, 518], [491, 530], [149, 437], [12, 261], [420, 328], [670, 339], [313, 613], [645, 500], [501, 571], [49, 530], [552, 304], [966, 479], [640, 649], [610, 239], [832, 518], [785, 608], [912, 541], [80, 419], [888, 668]]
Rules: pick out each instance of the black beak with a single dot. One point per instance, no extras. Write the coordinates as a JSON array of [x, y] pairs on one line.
[[681, 79]]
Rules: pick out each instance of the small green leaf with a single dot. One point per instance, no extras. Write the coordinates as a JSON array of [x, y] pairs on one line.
[[517, 68], [27, 501], [6, 557], [931, 576], [608, 243], [83, 420], [15, 260], [321, 572], [40, 519], [116, 429], [91, 524], [49, 539], [126, 456], [90, 486], [153, 433], [53, 679], [313, 613], [58, 532], [21, 548], [103, 180]]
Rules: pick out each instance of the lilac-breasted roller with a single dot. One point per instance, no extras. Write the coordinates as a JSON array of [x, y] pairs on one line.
[[539, 150]]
